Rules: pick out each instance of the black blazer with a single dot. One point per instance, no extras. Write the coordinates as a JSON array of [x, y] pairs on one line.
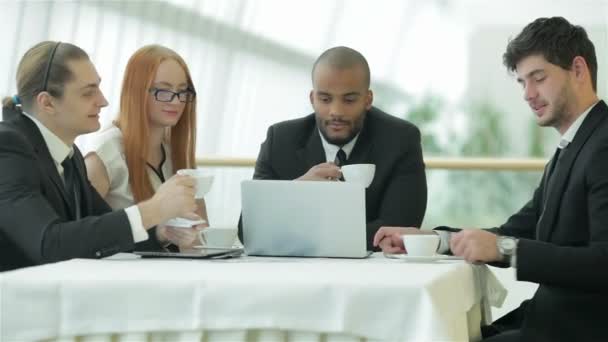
[[398, 193], [565, 249], [35, 222]]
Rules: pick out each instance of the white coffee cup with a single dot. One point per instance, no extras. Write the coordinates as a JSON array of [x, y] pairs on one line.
[[359, 173], [218, 236], [421, 245], [203, 180]]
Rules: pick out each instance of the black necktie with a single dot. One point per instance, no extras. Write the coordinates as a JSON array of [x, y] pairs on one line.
[[340, 158], [555, 163], [550, 178], [70, 176]]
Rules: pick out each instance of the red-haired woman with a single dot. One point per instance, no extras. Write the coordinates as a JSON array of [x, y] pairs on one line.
[[153, 136]]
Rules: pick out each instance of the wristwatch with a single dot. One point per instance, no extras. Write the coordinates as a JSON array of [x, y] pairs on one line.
[[507, 246]]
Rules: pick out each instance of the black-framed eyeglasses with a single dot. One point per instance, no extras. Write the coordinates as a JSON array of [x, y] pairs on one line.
[[164, 95]]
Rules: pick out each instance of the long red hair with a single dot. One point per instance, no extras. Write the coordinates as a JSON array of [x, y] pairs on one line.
[[133, 119]]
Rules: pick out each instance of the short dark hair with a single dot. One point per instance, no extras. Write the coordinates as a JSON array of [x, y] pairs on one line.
[[558, 41], [343, 57]]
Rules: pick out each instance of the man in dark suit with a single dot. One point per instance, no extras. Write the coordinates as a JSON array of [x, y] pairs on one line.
[[346, 129], [559, 239], [48, 209]]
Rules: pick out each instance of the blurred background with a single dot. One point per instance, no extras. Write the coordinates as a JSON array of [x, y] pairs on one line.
[[437, 63]]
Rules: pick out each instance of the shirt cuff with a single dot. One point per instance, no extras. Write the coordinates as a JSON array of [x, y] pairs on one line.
[[513, 261], [444, 241], [137, 227]]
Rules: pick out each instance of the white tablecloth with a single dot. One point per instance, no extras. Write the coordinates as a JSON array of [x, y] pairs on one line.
[[247, 298]]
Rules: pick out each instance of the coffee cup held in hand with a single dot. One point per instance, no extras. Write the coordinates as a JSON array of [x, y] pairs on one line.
[[223, 237], [202, 179], [421, 245], [359, 173]]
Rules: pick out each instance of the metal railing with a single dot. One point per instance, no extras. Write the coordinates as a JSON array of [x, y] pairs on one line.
[[438, 163]]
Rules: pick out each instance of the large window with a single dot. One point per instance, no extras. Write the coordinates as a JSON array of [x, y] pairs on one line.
[[435, 63]]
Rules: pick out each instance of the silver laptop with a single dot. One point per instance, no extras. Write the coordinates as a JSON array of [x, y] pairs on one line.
[[303, 218]]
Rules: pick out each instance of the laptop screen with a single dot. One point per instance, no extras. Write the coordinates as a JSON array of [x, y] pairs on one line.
[[303, 218]]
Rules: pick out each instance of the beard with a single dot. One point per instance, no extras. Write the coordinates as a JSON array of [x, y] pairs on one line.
[[354, 127], [558, 115]]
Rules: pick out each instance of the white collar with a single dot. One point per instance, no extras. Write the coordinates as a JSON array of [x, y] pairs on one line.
[[568, 136], [331, 150], [58, 149]]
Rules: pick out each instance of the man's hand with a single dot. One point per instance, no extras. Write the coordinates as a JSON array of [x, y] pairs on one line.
[[174, 198], [475, 245], [389, 239], [322, 172]]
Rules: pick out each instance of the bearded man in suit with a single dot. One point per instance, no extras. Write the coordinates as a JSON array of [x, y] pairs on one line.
[[346, 129]]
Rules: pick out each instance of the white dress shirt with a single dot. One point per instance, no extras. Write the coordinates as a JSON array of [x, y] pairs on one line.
[[59, 151], [571, 131], [331, 150]]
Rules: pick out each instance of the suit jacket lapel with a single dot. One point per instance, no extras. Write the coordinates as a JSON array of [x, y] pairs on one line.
[[44, 156], [545, 179], [83, 198], [554, 196], [361, 152], [312, 153]]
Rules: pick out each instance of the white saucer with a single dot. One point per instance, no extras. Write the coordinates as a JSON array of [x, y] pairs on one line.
[[416, 258], [180, 222]]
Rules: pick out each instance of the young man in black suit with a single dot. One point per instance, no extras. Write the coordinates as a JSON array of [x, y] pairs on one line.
[[48, 209], [346, 129], [559, 239]]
